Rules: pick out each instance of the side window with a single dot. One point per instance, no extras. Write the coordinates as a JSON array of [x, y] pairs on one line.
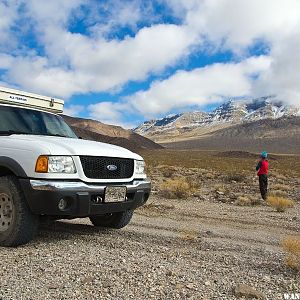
[[54, 125]]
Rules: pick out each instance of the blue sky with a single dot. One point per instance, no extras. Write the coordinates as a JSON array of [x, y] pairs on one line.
[[123, 62]]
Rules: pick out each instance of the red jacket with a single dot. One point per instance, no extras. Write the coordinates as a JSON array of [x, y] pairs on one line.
[[262, 167]]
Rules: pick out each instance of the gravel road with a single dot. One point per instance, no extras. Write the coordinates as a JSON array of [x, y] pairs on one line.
[[173, 249]]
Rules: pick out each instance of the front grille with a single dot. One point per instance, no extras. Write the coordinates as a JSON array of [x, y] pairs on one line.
[[96, 167]]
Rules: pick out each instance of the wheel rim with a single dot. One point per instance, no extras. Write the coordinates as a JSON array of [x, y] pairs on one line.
[[6, 212]]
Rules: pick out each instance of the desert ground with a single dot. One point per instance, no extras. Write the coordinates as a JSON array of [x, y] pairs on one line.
[[199, 241]]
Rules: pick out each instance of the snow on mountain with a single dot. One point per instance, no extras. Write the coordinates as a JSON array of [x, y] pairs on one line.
[[231, 112]]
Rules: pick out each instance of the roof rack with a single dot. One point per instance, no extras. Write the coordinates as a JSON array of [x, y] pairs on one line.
[[24, 99]]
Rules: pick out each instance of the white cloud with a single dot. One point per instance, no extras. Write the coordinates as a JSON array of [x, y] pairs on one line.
[[51, 13], [5, 61], [236, 24], [8, 15], [37, 75], [99, 65], [199, 86], [113, 14], [110, 113], [187, 88], [71, 63], [282, 78], [75, 63], [73, 110]]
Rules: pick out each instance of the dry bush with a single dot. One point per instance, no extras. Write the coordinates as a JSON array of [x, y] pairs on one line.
[[243, 201], [280, 176], [281, 187], [149, 170], [194, 183], [210, 175], [234, 177], [247, 201], [279, 203], [281, 194], [292, 247], [221, 188], [175, 188], [189, 235], [168, 171]]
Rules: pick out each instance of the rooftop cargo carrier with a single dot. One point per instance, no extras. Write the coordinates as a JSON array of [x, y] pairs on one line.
[[20, 98]]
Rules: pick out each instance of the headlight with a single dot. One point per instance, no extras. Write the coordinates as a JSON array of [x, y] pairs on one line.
[[139, 167], [55, 164]]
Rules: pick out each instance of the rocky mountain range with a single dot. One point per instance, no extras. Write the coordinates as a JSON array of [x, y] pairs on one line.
[[263, 123], [189, 125], [281, 136]]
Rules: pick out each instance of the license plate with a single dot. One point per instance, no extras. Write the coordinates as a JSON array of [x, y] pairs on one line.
[[115, 193]]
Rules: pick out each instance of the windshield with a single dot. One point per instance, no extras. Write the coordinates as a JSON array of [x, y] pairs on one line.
[[15, 120]]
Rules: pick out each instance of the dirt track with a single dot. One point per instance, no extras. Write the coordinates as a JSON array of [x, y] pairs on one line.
[[173, 249]]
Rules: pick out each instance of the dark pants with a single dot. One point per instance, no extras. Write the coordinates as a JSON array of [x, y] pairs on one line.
[[263, 186]]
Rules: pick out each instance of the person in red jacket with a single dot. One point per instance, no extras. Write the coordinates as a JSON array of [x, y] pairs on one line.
[[263, 169]]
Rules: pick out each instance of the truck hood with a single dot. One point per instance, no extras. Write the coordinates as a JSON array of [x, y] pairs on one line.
[[53, 145]]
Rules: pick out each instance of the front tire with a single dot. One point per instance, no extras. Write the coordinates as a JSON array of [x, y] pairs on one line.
[[17, 224], [113, 220]]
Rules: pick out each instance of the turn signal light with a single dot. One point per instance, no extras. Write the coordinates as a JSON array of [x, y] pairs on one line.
[[42, 164]]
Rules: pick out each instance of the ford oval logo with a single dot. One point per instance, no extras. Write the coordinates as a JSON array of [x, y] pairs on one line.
[[112, 168]]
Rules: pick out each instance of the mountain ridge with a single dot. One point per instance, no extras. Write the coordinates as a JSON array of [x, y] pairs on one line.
[[97, 131], [195, 124], [280, 135]]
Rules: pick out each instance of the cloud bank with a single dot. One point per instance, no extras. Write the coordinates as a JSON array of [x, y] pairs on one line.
[[119, 42]]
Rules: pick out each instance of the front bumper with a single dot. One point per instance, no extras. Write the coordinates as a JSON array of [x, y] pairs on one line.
[[43, 197]]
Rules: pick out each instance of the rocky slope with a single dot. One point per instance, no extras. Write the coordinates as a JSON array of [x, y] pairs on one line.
[[97, 131], [196, 124], [274, 135]]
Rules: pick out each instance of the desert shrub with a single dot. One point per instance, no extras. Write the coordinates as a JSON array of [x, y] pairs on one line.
[[194, 183], [149, 169], [234, 177], [247, 201], [175, 188], [167, 172], [221, 188], [209, 175], [243, 201], [280, 176], [189, 235], [281, 187], [281, 194], [279, 203], [292, 247]]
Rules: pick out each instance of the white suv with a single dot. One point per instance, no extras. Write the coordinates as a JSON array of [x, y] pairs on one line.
[[47, 171]]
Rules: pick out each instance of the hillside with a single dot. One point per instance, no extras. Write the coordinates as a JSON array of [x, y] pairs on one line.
[[275, 135], [97, 131]]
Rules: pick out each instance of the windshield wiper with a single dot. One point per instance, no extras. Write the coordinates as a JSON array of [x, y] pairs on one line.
[[10, 132]]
